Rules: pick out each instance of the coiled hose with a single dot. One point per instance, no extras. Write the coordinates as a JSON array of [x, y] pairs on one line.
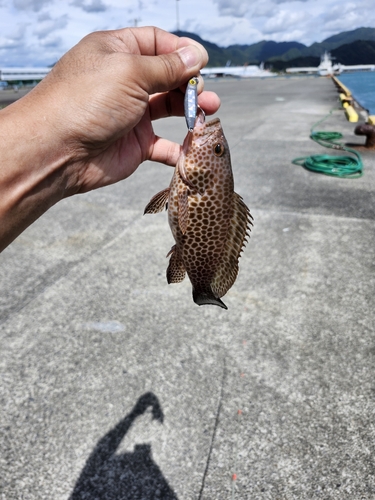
[[348, 167]]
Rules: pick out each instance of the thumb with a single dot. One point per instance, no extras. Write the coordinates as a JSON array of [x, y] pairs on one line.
[[169, 71]]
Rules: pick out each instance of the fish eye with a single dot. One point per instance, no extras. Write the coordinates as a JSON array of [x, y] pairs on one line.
[[219, 149]]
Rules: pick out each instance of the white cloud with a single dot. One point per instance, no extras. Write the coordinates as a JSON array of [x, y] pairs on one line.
[[44, 16], [9, 44], [222, 32], [283, 21], [338, 12], [235, 8], [49, 25], [34, 5], [347, 16], [18, 32], [52, 42], [94, 6], [262, 9], [289, 1]]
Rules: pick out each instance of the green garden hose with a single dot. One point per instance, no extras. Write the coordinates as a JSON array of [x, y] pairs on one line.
[[348, 167]]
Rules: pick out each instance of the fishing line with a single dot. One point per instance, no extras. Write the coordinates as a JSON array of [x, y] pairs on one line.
[[347, 167]]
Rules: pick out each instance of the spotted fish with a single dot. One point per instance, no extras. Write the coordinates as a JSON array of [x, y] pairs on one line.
[[209, 221]]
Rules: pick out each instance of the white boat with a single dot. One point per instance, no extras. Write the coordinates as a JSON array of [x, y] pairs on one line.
[[245, 71], [327, 68]]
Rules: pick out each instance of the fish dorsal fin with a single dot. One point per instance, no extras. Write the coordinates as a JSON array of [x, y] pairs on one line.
[[239, 227], [176, 270], [157, 202]]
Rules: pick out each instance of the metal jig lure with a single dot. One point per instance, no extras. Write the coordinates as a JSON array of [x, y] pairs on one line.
[[191, 102]]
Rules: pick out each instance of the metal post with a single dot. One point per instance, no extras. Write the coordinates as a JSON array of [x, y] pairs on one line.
[[177, 16]]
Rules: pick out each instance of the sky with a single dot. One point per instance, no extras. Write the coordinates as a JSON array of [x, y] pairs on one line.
[[38, 32]]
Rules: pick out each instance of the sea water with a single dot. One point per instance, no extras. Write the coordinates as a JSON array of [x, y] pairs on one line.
[[362, 86]]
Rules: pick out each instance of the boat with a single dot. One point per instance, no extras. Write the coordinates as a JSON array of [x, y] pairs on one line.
[[245, 71], [327, 68]]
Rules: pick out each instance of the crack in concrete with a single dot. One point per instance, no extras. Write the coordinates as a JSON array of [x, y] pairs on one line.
[[215, 429]]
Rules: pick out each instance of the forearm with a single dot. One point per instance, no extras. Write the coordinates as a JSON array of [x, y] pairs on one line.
[[33, 169]]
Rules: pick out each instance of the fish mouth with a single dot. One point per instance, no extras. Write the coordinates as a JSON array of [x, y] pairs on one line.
[[200, 123], [200, 120], [201, 133]]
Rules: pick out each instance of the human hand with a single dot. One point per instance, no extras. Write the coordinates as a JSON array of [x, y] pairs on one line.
[[89, 122], [101, 97]]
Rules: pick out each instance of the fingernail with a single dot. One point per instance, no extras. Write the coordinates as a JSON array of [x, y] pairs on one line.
[[190, 55]]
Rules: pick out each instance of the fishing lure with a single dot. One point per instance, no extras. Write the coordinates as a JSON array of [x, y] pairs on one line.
[[191, 102]]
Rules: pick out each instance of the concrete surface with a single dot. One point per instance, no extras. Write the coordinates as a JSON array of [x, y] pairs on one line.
[[115, 385], [9, 95]]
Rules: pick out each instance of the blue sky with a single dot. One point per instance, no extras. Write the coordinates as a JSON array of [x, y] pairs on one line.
[[38, 32]]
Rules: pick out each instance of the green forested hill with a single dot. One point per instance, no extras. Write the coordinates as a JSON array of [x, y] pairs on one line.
[[242, 54], [331, 43], [349, 47], [359, 52], [352, 36]]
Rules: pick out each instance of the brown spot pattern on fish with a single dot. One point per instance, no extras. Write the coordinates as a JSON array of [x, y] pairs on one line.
[[209, 221]]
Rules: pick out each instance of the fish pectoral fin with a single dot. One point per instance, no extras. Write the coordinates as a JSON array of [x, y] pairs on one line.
[[176, 270], [205, 297], [157, 202], [183, 210]]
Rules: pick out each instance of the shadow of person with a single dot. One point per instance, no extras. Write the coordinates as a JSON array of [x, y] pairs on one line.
[[128, 476]]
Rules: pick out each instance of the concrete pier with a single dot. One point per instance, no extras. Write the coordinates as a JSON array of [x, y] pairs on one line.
[[115, 385], [9, 95]]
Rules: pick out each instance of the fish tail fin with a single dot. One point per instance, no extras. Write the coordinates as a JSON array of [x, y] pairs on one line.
[[204, 297]]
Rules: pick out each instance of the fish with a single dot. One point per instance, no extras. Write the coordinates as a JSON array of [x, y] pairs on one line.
[[209, 221]]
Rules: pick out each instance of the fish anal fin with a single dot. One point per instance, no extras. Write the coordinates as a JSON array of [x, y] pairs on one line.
[[238, 230], [176, 270], [206, 297], [157, 202], [183, 209]]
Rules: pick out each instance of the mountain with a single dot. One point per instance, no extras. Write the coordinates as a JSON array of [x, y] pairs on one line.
[[242, 54], [331, 43], [358, 48], [358, 52], [352, 36], [261, 51], [298, 62]]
